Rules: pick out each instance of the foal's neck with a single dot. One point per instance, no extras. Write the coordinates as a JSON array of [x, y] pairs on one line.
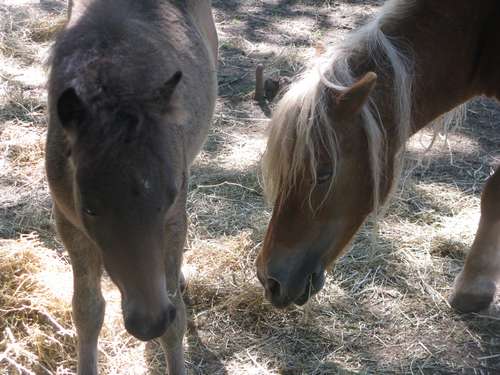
[[446, 38]]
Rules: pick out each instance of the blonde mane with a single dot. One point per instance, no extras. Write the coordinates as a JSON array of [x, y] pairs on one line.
[[301, 123]]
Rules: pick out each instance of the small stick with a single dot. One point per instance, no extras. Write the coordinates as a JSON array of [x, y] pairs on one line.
[[70, 8], [259, 83]]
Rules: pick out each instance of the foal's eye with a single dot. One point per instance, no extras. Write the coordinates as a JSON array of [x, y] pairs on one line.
[[89, 212], [127, 118], [323, 175]]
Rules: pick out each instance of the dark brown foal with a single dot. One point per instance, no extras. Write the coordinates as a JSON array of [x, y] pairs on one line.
[[132, 91]]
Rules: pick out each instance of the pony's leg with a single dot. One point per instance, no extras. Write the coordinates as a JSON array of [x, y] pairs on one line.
[[475, 286], [88, 303], [172, 339]]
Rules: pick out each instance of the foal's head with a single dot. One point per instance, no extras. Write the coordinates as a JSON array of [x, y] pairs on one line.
[[129, 171], [317, 172]]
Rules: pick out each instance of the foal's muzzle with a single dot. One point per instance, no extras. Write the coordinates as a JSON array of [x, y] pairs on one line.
[[144, 326]]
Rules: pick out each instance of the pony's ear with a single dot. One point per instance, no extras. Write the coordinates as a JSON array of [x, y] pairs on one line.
[[165, 92], [70, 109], [352, 100]]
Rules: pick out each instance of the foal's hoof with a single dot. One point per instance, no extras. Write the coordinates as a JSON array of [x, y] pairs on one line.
[[473, 297]]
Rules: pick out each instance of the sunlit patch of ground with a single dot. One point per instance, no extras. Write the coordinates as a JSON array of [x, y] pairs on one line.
[[383, 309]]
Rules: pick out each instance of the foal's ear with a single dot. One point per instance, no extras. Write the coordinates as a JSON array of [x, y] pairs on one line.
[[352, 101], [70, 109], [165, 92]]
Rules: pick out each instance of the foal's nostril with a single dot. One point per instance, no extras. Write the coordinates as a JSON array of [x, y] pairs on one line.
[[273, 286], [171, 314]]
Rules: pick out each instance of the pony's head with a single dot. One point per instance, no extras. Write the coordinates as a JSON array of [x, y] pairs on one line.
[[317, 173], [328, 162], [128, 172]]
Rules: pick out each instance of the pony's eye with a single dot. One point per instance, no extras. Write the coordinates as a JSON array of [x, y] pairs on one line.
[[323, 175], [89, 212]]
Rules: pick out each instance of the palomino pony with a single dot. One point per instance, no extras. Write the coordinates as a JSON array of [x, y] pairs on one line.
[[132, 89], [337, 136]]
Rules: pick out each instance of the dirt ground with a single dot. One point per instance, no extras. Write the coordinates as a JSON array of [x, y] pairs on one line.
[[383, 309]]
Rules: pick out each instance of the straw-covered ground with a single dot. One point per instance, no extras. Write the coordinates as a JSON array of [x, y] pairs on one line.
[[384, 307]]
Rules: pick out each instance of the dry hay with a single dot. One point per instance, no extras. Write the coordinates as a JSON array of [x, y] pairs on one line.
[[383, 309], [36, 335], [36, 332]]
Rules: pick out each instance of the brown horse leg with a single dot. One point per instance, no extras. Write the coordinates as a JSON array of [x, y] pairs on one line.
[[88, 303], [172, 339], [475, 286]]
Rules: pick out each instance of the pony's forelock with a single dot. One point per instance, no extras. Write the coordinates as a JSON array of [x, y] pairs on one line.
[[301, 123]]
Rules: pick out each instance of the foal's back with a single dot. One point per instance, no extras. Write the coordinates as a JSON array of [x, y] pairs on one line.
[[137, 44]]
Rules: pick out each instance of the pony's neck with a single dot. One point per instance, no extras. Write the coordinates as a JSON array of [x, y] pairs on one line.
[[450, 55], [452, 47]]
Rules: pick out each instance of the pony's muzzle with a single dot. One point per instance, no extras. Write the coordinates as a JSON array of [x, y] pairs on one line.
[[284, 287], [141, 324]]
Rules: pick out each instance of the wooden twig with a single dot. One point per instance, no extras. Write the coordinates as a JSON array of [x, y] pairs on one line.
[[259, 83], [70, 8]]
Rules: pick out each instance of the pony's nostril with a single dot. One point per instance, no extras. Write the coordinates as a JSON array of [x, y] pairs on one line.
[[317, 281], [273, 286]]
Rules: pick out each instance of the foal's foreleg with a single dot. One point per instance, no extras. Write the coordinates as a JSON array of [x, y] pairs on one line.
[[88, 303], [172, 339], [475, 286]]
